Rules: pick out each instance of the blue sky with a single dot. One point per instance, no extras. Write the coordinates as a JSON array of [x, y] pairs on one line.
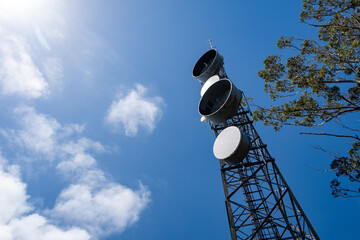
[[100, 137]]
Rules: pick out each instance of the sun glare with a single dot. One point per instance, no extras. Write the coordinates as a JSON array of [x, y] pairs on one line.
[[21, 9]]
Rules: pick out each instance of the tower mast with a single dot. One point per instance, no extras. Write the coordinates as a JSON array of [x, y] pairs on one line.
[[259, 203]]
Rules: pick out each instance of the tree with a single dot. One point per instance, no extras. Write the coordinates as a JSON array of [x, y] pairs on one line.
[[321, 84]]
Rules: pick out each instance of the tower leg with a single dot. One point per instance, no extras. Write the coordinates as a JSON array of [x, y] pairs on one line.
[[259, 203]]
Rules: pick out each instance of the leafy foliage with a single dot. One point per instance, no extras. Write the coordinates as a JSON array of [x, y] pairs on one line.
[[321, 83]]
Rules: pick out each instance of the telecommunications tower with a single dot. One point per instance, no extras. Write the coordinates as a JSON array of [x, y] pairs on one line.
[[259, 203]]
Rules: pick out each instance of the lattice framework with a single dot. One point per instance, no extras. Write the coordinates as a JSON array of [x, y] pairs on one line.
[[259, 202]]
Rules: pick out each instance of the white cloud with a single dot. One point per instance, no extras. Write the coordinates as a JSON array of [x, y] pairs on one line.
[[42, 137], [134, 111], [37, 133], [91, 204], [17, 221], [40, 133], [37, 227], [13, 198], [18, 74], [76, 159], [99, 206]]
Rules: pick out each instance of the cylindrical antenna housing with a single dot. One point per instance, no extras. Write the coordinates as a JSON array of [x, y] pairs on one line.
[[209, 64], [220, 101]]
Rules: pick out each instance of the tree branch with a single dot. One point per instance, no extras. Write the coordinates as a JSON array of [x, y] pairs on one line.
[[338, 114], [321, 170], [340, 80], [339, 122], [332, 25], [330, 134]]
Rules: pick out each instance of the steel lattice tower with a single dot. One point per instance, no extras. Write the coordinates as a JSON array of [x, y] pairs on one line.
[[259, 203]]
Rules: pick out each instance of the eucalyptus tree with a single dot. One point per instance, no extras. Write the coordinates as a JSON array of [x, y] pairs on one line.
[[320, 84]]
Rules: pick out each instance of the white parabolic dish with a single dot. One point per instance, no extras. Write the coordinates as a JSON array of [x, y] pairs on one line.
[[231, 145], [208, 84]]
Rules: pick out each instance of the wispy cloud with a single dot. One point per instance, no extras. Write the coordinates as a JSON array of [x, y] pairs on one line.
[[92, 205], [17, 220], [100, 206], [39, 134], [37, 227], [135, 111], [92, 201], [76, 158], [13, 201], [18, 74]]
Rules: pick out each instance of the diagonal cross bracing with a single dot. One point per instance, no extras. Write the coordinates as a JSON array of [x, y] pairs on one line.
[[265, 208]]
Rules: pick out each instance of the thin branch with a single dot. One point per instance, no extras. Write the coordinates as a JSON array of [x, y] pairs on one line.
[[350, 196], [332, 25], [332, 135], [325, 151], [339, 122], [338, 114], [339, 80], [320, 170], [332, 12]]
